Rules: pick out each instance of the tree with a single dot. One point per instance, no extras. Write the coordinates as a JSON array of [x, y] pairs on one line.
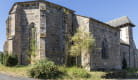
[[83, 42]]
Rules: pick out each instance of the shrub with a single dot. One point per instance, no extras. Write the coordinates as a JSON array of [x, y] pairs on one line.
[[116, 74], [1, 58], [44, 69], [11, 60], [78, 72], [8, 60]]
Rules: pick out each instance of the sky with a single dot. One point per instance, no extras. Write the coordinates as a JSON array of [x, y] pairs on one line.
[[103, 10]]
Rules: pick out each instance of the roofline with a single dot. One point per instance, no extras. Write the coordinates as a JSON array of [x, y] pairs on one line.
[[124, 44], [122, 25], [100, 22], [12, 7], [38, 2]]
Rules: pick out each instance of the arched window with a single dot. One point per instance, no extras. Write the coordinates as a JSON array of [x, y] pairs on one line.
[[32, 37], [104, 49]]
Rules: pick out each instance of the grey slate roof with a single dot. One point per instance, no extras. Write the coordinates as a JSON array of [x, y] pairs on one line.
[[120, 22], [100, 22]]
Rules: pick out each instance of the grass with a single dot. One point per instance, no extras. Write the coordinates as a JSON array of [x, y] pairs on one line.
[[97, 75], [68, 72], [83, 74], [15, 71]]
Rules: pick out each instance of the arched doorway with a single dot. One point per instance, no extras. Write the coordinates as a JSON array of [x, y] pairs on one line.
[[124, 63]]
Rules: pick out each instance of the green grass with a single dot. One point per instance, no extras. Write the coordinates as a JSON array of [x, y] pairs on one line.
[[71, 73], [81, 74], [97, 75], [68, 73], [15, 71]]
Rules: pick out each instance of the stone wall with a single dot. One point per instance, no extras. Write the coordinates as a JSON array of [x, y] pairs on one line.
[[100, 32], [128, 49], [125, 54], [59, 23], [111, 36], [18, 23], [30, 17]]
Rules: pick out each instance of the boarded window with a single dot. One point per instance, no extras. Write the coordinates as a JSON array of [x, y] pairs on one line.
[[104, 49]]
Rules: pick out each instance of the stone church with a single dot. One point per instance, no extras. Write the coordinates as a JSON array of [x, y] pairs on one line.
[[52, 25]]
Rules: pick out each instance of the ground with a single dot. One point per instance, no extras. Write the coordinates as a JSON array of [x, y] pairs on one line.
[[20, 73], [9, 77]]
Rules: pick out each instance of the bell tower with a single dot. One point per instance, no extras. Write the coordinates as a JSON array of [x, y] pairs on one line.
[[125, 25]]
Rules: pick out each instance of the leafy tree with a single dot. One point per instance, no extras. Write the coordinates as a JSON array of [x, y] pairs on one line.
[[82, 41]]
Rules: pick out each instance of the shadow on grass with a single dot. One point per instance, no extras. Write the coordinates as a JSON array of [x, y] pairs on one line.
[[122, 74]]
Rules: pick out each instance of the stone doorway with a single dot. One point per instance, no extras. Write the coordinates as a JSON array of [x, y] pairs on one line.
[[124, 63]]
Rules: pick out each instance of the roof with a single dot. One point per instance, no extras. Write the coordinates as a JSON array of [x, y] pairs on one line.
[[100, 22], [119, 22], [39, 1]]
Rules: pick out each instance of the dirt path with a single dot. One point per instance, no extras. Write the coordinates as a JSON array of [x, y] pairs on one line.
[[8, 77]]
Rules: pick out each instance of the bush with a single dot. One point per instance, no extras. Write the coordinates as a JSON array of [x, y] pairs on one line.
[[1, 58], [116, 74], [78, 72], [44, 69], [11, 60], [8, 60]]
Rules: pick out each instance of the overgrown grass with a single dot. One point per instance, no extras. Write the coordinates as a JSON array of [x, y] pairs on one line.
[[15, 71], [72, 73], [97, 75]]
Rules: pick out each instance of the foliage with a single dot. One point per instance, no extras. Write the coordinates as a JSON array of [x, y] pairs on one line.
[[69, 73], [44, 69], [76, 72], [8, 60], [82, 40], [32, 50], [116, 74], [1, 58], [18, 70], [12, 60], [66, 11]]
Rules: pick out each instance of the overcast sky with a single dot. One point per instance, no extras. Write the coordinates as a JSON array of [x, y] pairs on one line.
[[103, 10]]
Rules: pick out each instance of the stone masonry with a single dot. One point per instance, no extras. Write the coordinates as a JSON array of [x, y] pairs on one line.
[[53, 25]]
